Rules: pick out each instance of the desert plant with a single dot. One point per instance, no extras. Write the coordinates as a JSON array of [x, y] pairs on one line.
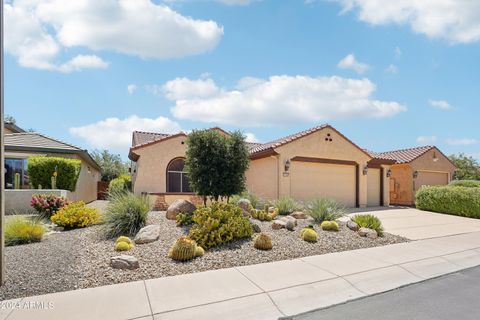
[[322, 209], [256, 201], [20, 230], [465, 183], [125, 214], [368, 221], [184, 219], [263, 215], [16, 181], [219, 223], [183, 249], [76, 215], [122, 246], [285, 205], [263, 242], [125, 239], [309, 234], [199, 252], [330, 226], [461, 201], [41, 169], [48, 204]]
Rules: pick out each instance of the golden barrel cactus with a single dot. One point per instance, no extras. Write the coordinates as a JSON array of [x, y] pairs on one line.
[[199, 252], [309, 235], [330, 226], [183, 249], [263, 242]]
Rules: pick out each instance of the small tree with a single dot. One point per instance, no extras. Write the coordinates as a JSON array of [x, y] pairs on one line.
[[216, 163], [111, 164], [467, 167]]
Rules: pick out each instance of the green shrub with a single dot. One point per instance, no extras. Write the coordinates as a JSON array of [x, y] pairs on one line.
[[121, 184], [184, 219], [42, 169], [219, 223], [324, 209], [255, 201], [125, 214], [369, 221], [285, 205], [465, 183], [330, 226], [20, 230], [76, 215], [461, 201]]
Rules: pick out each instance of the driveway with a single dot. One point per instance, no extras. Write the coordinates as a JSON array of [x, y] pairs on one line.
[[415, 224]]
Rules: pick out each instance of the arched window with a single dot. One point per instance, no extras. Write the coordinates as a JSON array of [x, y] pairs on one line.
[[177, 179]]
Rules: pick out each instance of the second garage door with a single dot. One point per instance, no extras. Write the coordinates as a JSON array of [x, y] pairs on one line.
[[373, 187], [429, 178], [309, 180]]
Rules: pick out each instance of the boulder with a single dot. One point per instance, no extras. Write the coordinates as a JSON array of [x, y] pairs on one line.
[[369, 233], [255, 226], [290, 225], [148, 234], [299, 215], [180, 206], [289, 218], [278, 224], [246, 207], [124, 262], [352, 225]]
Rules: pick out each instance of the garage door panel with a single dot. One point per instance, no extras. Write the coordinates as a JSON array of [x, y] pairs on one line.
[[373, 187], [309, 180], [426, 178]]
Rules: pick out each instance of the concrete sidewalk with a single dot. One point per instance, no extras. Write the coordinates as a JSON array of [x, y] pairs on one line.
[[264, 291]]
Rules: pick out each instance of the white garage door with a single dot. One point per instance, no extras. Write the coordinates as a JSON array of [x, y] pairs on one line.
[[428, 178], [373, 187], [309, 180]]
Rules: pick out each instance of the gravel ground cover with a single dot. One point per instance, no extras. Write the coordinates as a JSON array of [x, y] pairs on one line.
[[80, 258]]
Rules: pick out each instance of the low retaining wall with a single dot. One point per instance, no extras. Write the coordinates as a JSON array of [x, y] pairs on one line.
[[18, 201]]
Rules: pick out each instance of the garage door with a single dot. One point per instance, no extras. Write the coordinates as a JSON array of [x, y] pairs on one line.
[[373, 187], [427, 178], [309, 180]]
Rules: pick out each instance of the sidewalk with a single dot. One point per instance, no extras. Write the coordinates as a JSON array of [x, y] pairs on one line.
[[264, 291]]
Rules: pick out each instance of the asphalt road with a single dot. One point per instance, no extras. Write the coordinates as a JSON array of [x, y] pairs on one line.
[[451, 297]]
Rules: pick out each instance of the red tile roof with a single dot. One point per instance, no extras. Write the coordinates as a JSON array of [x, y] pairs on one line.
[[142, 137], [403, 155]]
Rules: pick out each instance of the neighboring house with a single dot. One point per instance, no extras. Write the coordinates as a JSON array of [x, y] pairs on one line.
[[315, 162], [414, 168], [19, 145]]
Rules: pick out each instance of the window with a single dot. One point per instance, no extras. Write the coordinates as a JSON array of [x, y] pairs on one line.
[[177, 179], [12, 167]]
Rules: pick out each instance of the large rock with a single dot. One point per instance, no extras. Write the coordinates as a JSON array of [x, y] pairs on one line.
[[352, 225], [369, 233], [255, 226], [246, 207], [148, 234], [289, 218], [180, 206], [124, 262], [278, 224], [299, 215], [290, 225]]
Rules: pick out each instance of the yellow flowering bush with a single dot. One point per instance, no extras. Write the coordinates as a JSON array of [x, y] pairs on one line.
[[76, 215]]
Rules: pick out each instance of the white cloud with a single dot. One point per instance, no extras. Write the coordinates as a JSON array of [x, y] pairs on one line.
[[462, 142], [440, 104], [38, 31], [116, 134], [457, 21], [349, 62], [426, 140], [393, 69], [226, 2], [278, 100], [250, 137], [131, 88], [83, 62], [398, 52]]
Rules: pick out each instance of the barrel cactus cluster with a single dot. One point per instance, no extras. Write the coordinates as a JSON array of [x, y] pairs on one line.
[[330, 226], [185, 249], [263, 242], [123, 244], [265, 214], [309, 234]]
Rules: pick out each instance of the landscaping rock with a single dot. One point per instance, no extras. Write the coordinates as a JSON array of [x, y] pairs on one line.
[[299, 215], [290, 225], [271, 209], [352, 225], [180, 206], [369, 233], [256, 226], [278, 224], [124, 262], [148, 234], [289, 218], [246, 206]]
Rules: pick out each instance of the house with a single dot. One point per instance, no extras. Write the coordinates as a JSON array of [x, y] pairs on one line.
[[414, 168], [19, 145], [316, 162]]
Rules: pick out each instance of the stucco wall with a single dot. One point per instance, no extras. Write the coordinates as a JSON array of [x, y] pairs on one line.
[[314, 145], [426, 162], [151, 167], [262, 177], [7, 131]]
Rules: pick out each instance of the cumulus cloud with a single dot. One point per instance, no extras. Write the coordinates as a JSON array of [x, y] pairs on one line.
[[426, 140], [131, 88], [38, 31], [349, 62], [454, 21], [116, 134], [277, 100], [226, 2], [393, 69], [440, 104], [462, 142], [250, 137]]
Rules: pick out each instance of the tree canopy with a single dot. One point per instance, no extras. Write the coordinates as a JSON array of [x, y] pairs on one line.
[[467, 167], [111, 164]]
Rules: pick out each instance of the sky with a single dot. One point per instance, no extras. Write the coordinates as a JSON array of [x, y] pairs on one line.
[[387, 74]]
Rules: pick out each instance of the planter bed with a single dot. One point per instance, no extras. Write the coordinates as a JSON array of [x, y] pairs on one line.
[[80, 258]]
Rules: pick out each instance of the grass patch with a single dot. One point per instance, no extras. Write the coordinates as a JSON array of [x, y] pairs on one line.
[[20, 230], [369, 221]]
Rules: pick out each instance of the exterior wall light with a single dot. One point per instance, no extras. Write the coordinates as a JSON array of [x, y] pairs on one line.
[[287, 165], [389, 173], [365, 170], [415, 174]]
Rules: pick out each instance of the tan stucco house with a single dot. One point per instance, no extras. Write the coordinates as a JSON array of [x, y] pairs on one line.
[[316, 162], [19, 145]]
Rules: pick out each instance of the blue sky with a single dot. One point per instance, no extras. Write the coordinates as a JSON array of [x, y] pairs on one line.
[[91, 72]]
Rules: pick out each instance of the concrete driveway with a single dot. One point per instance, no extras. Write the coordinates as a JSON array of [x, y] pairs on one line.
[[415, 224]]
